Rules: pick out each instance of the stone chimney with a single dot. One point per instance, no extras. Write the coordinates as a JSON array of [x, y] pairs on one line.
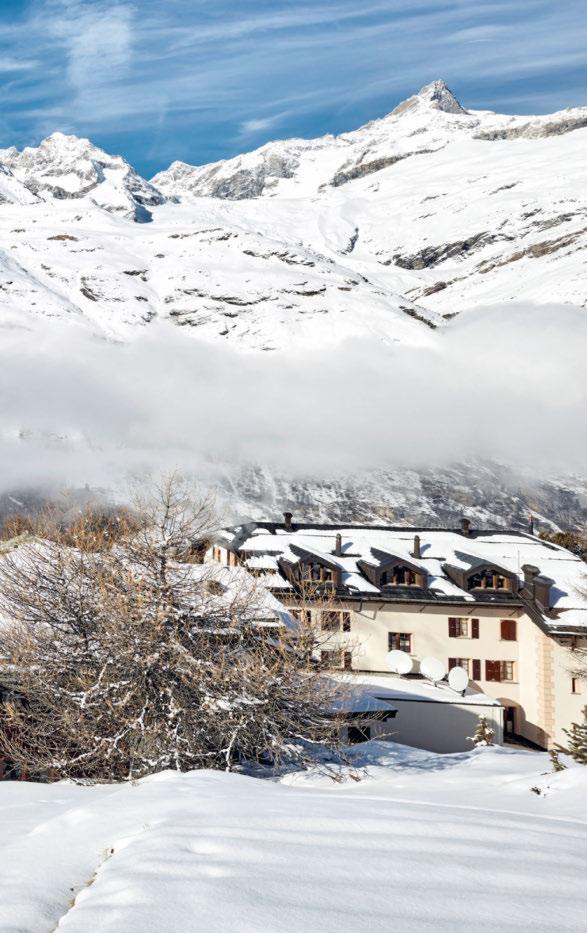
[[287, 523], [531, 524], [465, 527], [417, 550], [338, 545]]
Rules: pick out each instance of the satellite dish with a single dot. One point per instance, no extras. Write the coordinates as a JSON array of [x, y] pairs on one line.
[[458, 679], [433, 669], [400, 662]]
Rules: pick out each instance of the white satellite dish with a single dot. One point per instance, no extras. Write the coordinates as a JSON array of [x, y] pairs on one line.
[[400, 662], [433, 669], [458, 679]]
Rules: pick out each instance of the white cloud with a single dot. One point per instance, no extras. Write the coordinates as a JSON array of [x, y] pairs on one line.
[[504, 382], [98, 39]]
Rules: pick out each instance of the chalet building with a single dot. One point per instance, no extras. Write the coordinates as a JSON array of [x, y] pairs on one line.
[[508, 607]]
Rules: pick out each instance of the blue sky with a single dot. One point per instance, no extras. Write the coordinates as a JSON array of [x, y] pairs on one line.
[[200, 80]]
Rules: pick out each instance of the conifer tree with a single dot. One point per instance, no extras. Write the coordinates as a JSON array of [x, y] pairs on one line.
[[556, 762], [484, 734], [577, 740]]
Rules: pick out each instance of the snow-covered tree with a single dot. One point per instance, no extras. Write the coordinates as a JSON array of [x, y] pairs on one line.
[[576, 740], [129, 658], [484, 734]]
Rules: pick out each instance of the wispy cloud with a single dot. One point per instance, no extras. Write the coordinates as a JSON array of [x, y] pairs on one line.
[[198, 79]]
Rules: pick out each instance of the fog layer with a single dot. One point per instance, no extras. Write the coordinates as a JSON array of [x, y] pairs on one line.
[[506, 382]]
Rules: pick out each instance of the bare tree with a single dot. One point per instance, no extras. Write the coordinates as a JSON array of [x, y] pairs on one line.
[[125, 657]]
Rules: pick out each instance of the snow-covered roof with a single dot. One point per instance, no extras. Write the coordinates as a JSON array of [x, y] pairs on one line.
[[440, 551], [215, 586], [391, 688]]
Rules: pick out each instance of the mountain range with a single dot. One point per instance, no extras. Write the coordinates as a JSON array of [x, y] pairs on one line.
[[387, 232]]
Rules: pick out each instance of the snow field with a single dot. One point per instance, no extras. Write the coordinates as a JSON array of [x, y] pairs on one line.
[[424, 841]]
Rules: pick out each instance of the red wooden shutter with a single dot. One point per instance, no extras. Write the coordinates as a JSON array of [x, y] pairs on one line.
[[452, 628], [476, 669], [493, 670], [346, 621], [474, 628], [348, 661], [452, 662], [508, 629]]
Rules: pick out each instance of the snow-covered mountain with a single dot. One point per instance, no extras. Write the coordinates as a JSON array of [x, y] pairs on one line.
[[383, 231], [67, 168], [386, 232]]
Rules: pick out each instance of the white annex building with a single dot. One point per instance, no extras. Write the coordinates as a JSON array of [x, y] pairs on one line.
[[509, 608]]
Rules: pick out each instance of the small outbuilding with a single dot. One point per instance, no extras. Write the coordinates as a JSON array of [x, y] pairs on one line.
[[429, 716]]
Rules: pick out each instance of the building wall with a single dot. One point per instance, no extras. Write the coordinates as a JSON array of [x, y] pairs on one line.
[[568, 706], [442, 727], [437, 727], [540, 695]]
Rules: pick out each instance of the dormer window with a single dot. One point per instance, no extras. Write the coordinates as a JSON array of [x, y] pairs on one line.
[[318, 573], [398, 576], [489, 579]]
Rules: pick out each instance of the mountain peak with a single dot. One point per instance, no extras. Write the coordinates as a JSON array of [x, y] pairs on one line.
[[436, 95]]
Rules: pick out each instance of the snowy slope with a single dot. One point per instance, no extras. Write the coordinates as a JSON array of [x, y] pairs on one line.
[[380, 232], [423, 842]]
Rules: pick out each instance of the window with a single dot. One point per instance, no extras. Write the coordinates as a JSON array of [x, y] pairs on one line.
[[399, 641], [508, 630], [507, 670], [398, 576], [459, 662], [575, 685], [302, 615], [318, 573], [489, 580], [459, 628], [476, 669], [333, 621], [330, 621], [331, 659], [499, 670]]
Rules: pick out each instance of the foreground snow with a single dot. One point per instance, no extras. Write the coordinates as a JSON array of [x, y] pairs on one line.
[[424, 841]]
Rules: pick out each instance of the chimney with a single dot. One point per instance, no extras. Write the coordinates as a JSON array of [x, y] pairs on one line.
[[465, 527], [536, 586], [530, 573], [531, 524], [287, 517], [417, 551], [338, 546]]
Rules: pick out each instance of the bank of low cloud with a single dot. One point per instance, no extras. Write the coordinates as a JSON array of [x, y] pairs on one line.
[[506, 382]]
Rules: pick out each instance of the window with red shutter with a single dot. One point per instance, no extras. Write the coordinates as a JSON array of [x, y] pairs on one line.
[[474, 628], [452, 628], [493, 670], [508, 630], [476, 669]]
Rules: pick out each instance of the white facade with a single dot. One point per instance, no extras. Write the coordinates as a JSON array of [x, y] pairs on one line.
[[516, 632]]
